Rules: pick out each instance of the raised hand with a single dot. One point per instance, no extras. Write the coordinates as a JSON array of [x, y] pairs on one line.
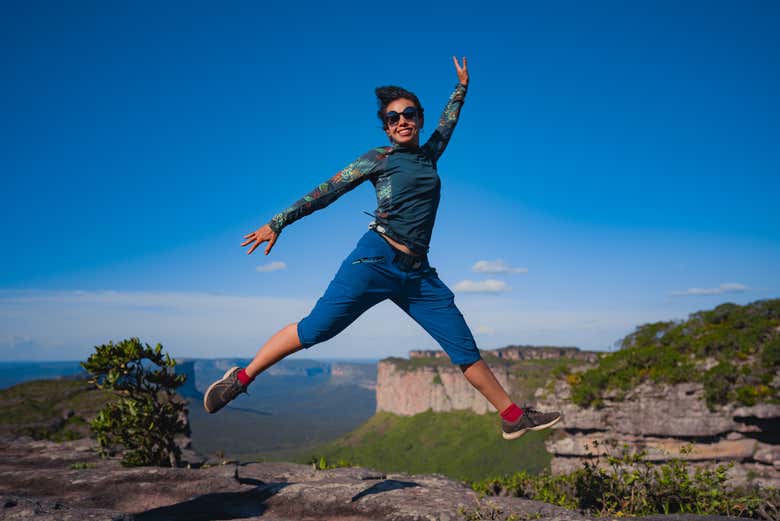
[[258, 237], [463, 72]]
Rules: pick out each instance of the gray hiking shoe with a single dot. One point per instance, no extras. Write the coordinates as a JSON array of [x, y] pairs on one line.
[[530, 420], [223, 390]]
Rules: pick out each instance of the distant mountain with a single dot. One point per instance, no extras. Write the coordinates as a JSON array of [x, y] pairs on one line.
[[12, 373], [294, 405]]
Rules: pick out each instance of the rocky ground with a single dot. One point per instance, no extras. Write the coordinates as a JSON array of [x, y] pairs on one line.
[[43, 480], [661, 420]]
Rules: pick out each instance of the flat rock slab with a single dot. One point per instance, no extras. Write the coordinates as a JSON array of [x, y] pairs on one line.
[[68, 482]]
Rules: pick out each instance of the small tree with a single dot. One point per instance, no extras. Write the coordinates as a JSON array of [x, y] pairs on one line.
[[146, 414]]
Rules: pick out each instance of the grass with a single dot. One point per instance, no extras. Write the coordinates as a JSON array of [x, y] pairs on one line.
[[458, 444], [412, 364]]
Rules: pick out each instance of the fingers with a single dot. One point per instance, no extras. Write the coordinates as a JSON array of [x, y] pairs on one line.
[[465, 66], [455, 61], [271, 244], [258, 237]]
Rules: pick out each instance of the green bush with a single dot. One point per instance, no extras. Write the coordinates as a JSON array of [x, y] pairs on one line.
[[719, 382], [321, 463], [145, 414]]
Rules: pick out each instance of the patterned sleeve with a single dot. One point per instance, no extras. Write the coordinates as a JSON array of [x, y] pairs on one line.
[[355, 173], [449, 117]]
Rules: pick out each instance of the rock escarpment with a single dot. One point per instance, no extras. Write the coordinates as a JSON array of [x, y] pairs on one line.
[[439, 388], [665, 421], [427, 380]]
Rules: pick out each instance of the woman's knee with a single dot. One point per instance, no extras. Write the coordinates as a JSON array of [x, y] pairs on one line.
[[310, 332]]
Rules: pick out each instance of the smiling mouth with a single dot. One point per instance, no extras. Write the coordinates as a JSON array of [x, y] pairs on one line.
[[404, 132]]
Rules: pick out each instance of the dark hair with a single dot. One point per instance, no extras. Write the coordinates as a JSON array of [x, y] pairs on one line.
[[388, 94]]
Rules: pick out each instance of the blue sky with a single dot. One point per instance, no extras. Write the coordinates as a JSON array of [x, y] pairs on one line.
[[619, 159]]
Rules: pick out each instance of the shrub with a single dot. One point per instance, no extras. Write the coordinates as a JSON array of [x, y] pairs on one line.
[[145, 414], [631, 485], [322, 463]]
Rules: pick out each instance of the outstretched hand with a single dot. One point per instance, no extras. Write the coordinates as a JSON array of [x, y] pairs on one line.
[[258, 237], [463, 72]]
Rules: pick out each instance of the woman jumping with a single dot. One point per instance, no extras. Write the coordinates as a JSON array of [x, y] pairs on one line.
[[390, 261]]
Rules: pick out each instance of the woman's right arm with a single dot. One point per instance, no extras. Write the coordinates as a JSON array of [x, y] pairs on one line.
[[321, 196], [449, 117]]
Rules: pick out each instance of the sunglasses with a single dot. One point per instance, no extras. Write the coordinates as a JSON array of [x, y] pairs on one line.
[[392, 118]]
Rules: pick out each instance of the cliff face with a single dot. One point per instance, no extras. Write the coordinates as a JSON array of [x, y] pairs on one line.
[[427, 380], [439, 388], [665, 421]]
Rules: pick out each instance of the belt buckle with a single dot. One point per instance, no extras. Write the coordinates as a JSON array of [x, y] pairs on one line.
[[376, 227]]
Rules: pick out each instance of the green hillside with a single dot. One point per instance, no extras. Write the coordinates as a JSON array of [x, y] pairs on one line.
[[459, 444], [734, 351], [50, 409]]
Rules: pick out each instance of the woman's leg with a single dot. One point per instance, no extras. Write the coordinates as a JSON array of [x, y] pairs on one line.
[[361, 282], [285, 342], [432, 305], [482, 378]]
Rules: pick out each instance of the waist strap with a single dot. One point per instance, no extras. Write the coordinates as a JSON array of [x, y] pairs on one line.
[[403, 260]]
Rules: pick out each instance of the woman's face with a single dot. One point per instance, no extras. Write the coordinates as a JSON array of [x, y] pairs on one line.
[[402, 127]]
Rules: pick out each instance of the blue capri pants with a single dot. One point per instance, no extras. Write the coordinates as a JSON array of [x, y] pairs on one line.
[[367, 277]]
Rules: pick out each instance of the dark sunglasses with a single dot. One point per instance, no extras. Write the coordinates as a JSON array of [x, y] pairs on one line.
[[392, 118]]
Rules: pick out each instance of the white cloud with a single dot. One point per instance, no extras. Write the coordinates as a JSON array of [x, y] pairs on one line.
[[482, 286], [271, 266], [497, 266], [720, 290]]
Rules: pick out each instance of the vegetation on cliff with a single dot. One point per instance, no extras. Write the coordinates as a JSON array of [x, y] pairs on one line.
[[459, 444], [734, 351], [56, 410], [629, 485]]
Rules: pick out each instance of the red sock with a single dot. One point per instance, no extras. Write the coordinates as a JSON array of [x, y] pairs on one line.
[[512, 413], [244, 378]]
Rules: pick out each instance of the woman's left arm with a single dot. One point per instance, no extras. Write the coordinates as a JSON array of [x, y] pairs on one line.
[[449, 117]]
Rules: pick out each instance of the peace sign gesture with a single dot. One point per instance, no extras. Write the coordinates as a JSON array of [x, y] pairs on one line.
[[463, 72]]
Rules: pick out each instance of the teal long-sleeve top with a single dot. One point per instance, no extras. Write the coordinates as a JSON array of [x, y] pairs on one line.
[[406, 181]]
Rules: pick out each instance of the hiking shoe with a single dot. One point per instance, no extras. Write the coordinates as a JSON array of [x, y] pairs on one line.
[[221, 392], [530, 420]]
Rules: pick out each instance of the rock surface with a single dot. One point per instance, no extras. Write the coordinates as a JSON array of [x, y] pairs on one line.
[[666, 421], [44, 480], [47, 481]]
